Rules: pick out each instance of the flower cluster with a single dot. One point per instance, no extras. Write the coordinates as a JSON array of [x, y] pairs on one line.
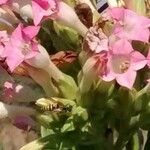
[[75, 72], [123, 60]]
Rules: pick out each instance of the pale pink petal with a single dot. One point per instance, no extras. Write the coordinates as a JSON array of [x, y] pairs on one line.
[[109, 76], [126, 79], [122, 47], [138, 61], [31, 31], [116, 13]]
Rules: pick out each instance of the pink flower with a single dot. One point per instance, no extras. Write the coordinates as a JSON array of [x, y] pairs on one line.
[[130, 25], [123, 63], [44, 8], [21, 46], [3, 40], [3, 2]]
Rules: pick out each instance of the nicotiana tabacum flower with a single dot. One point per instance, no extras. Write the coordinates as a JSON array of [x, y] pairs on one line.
[[123, 64], [129, 25], [116, 59], [21, 46]]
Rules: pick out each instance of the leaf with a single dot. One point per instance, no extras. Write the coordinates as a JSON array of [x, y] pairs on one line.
[[46, 131], [68, 87], [68, 126], [80, 113], [66, 141], [145, 120]]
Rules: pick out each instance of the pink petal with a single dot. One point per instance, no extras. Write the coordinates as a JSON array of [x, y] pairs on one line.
[[122, 47], [126, 79], [14, 58], [3, 2], [16, 37], [138, 61], [116, 13], [109, 76], [31, 31], [38, 12]]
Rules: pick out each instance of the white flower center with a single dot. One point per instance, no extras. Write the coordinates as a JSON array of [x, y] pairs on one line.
[[25, 48], [120, 63]]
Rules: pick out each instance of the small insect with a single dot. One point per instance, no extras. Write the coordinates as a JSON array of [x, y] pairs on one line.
[[52, 105]]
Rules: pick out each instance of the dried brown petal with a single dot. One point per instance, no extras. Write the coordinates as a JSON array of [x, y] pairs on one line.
[[85, 14], [63, 57]]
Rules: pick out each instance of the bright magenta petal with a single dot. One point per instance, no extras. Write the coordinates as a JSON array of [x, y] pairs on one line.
[[127, 79], [138, 61]]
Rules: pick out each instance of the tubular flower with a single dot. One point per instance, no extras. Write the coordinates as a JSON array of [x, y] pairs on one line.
[[53, 9], [21, 46], [123, 63], [129, 25]]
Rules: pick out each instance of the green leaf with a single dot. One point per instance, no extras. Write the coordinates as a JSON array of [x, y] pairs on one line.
[[68, 126], [80, 113], [46, 131], [145, 120], [68, 87]]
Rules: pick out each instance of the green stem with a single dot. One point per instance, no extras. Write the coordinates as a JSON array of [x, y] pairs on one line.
[[136, 145]]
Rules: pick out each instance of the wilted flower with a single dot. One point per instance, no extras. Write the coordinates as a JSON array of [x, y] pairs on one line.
[[95, 40]]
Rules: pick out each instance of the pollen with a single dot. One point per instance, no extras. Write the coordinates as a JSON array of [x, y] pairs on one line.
[[124, 66]]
